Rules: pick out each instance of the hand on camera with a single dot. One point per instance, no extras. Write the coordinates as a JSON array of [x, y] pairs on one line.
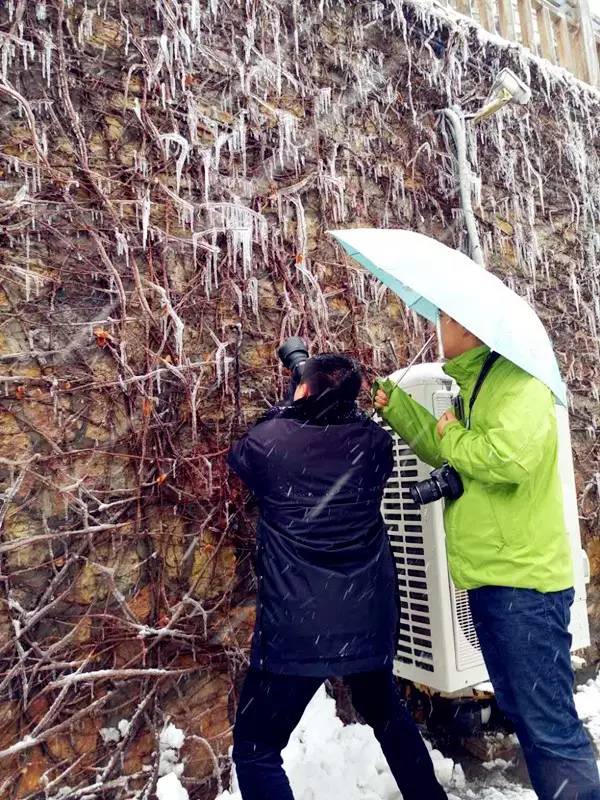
[[444, 421], [381, 399]]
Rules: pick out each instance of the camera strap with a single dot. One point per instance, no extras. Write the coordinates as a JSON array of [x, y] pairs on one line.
[[487, 365]]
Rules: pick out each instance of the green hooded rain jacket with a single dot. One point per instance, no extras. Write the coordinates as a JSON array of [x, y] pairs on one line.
[[508, 527]]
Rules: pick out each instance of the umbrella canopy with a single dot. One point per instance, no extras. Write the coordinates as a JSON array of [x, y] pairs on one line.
[[431, 277]]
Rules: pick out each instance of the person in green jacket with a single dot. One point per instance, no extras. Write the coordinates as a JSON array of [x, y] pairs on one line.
[[507, 544]]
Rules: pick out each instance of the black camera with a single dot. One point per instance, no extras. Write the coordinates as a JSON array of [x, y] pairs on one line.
[[293, 353], [442, 482]]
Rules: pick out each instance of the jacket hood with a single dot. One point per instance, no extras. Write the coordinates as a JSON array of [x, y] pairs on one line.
[[323, 410], [466, 367]]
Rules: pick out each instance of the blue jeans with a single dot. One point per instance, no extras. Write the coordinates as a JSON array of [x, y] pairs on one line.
[[271, 706], [526, 646]]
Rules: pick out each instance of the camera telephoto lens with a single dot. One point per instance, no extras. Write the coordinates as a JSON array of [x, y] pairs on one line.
[[293, 353], [427, 491], [442, 482]]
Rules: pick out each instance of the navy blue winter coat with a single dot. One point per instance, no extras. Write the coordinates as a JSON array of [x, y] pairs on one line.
[[327, 587]]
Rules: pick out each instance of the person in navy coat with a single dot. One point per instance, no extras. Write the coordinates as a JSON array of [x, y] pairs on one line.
[[328, 602]]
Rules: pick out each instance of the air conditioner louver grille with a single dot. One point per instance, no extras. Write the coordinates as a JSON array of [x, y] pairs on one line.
[[405, 529], [467, 647]]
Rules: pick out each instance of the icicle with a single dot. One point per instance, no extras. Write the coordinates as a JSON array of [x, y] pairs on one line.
[[54, 396], [194, 16], [276, 23], [222, 361], [86, 26], [241, 243], [182, 158], [146, 205], [239, 297], [333, 187], [288, 125], [192, 119], [122, 246], [125, 22], [323, 101], [301, 233], [47, 56], [252, 295], [357, 281]]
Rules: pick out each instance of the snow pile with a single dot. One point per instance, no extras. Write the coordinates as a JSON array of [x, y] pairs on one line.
[[497, 763], [587, 702], [504, 790], [170, 768], [171, 742], [326, 759], [110, 735], [115, 734], [169, 788]]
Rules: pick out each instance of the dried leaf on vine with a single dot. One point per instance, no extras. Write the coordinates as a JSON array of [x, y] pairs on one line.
[[147, 407], [102, 337]]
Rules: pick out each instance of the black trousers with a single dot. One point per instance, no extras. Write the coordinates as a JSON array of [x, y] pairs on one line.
[[271, 706]]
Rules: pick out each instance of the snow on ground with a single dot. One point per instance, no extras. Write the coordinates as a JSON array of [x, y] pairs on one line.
[[326, 759], [587, 701]]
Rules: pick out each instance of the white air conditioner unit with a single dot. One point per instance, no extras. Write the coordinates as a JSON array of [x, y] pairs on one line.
[[438, 646]]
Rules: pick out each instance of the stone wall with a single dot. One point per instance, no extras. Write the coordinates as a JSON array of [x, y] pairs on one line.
[[168, 172]]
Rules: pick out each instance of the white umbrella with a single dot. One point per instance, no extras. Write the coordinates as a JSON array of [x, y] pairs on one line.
[[431, 277]]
